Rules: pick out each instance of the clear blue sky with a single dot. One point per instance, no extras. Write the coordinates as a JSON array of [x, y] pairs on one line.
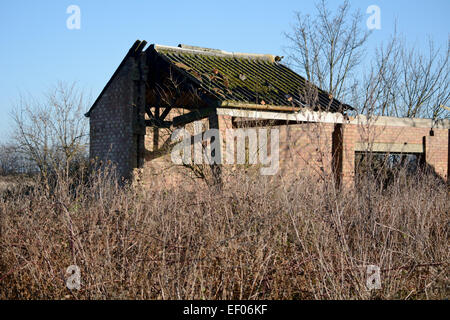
[[37, 49]]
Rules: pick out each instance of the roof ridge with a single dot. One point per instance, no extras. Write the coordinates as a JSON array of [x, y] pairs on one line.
[[216, 52]]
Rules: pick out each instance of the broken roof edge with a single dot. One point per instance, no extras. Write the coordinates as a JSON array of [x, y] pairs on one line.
[[183, 48]]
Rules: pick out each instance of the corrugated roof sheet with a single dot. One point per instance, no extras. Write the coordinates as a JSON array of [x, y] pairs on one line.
[[235, 79], [249, 78]]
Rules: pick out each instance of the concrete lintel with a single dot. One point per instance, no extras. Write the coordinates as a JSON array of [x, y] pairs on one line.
[[403, 122], [390, 147], [308, 116], [330, 117]]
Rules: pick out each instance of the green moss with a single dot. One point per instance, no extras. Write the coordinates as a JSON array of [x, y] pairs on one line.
[[239, 78]]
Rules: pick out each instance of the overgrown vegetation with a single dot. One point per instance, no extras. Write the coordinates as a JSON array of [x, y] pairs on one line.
[[253, 240]]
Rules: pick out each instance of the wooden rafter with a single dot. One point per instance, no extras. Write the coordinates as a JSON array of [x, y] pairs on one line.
[[157, 120], [193, 116]]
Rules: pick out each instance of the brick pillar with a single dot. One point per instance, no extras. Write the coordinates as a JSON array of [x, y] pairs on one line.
[[343, 152], [436, 152]]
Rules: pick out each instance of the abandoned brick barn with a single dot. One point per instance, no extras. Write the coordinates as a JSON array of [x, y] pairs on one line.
[[157, 89]]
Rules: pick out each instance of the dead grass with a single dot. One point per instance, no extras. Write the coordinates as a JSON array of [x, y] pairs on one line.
[[252, 240]]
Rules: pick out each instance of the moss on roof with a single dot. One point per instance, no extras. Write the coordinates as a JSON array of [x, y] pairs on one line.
[[247, 78]]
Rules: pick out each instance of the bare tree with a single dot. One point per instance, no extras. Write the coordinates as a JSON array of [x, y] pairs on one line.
[[327, 48], [375, 93], [52, 133], [404, 82], [424, 84], [401, 80]]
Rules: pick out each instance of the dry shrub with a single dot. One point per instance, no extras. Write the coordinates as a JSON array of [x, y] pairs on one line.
[[250, 240]]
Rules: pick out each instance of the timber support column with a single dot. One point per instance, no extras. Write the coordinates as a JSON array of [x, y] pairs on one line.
[[136, 157], [214, 122]]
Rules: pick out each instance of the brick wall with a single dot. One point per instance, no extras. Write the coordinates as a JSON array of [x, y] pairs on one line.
[[111, 123], [304, 148], [436, 155], [328, 150], [323, 150], [435, 142]]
